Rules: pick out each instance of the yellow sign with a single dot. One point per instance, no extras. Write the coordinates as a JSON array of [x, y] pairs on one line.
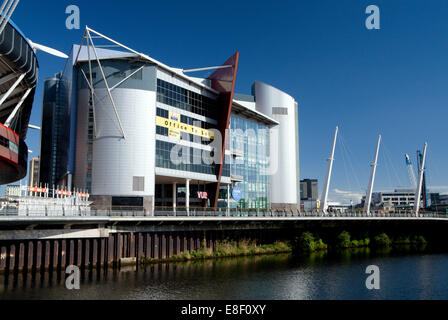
[[174, 133], [175, 127]]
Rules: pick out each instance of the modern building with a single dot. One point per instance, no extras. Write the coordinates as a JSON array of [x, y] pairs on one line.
[[12, 191], [18, 78], [390, 201], [438, 199], [54, 133], [138, 133], [33, 179], [439, 202], [309, 189]]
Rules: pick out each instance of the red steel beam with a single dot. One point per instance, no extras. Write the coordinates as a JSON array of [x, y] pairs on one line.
[[223, 81]]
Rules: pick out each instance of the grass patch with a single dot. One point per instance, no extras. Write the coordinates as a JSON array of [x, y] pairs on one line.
[[224, 249], [344, 241]]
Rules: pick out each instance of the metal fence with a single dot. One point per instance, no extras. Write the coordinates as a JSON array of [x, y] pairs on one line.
[[74, 211]]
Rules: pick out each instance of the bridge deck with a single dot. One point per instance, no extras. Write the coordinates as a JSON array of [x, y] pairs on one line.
[[162, 219]]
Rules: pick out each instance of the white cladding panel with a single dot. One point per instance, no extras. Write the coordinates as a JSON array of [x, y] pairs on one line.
[[116, 160], [284, 179]]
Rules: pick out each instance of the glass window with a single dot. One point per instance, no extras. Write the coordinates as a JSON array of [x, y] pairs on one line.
[[185, 99]]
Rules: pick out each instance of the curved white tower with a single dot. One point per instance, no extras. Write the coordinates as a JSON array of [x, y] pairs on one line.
[[115, 152], [284, 179]]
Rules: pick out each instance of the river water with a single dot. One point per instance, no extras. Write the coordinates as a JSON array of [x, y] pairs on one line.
[[319, 276]]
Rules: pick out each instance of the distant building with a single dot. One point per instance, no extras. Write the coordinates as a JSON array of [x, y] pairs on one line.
[[439, 199], [389, 201], [54, 135], [337, 207], [12, 191], [34, 173], [439, 202], [309, 189], [435, 198]]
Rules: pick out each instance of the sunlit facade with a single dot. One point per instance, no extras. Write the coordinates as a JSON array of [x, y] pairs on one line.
[[251, 138], [141, 134]]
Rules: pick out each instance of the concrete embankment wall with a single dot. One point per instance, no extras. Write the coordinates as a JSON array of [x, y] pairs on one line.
[[50, 245], [58, 253]]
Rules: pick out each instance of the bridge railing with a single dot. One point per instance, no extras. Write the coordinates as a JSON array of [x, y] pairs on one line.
[[44, 211]]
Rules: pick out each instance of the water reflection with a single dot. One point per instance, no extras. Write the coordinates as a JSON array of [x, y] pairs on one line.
[[322, 275]]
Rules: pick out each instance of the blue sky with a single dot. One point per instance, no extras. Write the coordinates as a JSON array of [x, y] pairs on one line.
[[391, 81]]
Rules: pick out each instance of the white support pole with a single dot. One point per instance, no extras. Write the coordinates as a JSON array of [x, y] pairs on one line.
[[69, 181], [119, 83], [174, 196], [31, 126], [418, 192], [368, 201], [92, 90], [17, 108], [11, 89], [117, 43], [87, 80], [80, 46], [327, 180], [107, 85], [207, 68], [3, 7], [187, 195], [11, 10], [228, 196], [228, 200], [7, 78]]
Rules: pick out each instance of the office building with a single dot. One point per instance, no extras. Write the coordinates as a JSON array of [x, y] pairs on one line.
[[390, 201], [141, 134], [33, 179], [309, 189]]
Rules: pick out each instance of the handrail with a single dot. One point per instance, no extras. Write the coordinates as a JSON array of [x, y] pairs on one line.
[[39, 211]]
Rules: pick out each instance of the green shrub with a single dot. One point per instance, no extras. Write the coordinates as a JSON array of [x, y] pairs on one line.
[[225, 248], [320, 245], [403, 240], [343, 240], [382, 240], [306, 242], [419, 240]]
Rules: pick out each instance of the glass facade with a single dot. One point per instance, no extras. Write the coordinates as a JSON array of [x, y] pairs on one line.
[[90, 129], [191, 161], [251, 139], [55, 133], [187, 100], [164, 192], [187, 120]]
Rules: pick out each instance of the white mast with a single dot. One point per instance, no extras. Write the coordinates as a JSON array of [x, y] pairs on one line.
[[418, 192], [327, 180], [372, 179]]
